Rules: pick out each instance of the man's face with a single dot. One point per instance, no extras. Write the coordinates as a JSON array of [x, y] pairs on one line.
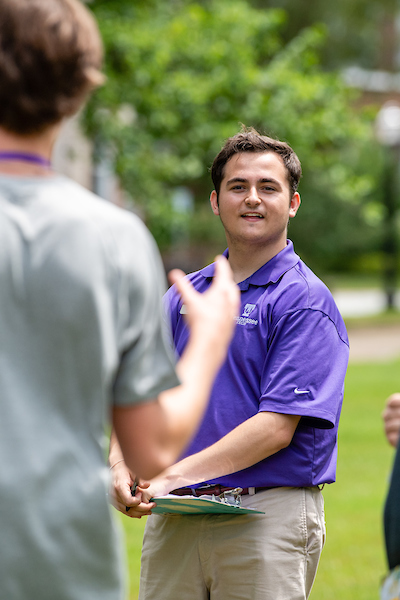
[[255, 202]]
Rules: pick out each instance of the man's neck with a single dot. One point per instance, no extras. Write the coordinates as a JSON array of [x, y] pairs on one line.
[[40, 144], [246, 261]]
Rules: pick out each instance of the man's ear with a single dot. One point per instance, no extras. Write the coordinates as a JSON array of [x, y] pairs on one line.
[[294, 205], [214, 202]]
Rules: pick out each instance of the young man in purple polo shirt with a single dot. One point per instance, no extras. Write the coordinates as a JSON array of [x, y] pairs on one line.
[[271, 425]]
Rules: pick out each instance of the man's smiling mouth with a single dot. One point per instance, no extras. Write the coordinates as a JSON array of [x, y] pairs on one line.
[[253, 215]]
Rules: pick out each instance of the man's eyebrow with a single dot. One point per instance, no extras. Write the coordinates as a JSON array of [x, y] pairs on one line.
[[244, 180], [268, 180], [236, 180]]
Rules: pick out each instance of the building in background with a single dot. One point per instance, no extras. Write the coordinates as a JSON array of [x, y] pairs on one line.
[[73, 157]]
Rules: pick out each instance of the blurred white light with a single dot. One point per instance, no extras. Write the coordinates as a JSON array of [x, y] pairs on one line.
[[388, 124]]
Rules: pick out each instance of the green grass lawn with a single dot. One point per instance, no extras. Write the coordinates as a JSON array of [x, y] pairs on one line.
[[353, 560]]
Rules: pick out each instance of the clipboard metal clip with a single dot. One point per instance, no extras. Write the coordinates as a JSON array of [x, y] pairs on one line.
[[231, 497]]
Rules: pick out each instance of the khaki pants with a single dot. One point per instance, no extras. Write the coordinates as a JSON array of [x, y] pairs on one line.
[[228, 557]]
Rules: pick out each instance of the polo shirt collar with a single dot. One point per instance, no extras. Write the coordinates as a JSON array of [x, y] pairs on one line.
[[271, 272]]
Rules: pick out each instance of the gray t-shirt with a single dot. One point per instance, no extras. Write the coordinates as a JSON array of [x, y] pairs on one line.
[[81, 329]]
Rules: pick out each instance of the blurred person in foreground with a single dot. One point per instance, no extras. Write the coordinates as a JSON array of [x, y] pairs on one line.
[[271, 425], [391, 516], [82, 337]]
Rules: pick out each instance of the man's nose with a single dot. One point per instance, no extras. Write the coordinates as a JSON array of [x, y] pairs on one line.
[[252, 198]]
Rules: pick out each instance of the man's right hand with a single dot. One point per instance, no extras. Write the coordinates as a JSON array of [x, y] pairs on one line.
[[120, 493], [211, 315], [391, 419]]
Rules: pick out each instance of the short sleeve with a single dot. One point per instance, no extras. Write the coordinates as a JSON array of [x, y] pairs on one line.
[[146, 359], [305, 368]]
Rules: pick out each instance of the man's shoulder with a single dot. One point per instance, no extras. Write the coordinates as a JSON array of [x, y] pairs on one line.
[[80, 205], [67, 206], [301, 289], [310, 280]]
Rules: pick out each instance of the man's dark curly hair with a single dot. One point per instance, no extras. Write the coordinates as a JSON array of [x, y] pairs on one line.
[[249, 140], [50, 59]]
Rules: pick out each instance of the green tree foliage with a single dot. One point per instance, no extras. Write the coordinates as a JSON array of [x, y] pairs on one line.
[[361, 32], [183, 75]]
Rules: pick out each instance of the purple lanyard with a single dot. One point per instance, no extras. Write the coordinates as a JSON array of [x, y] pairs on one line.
[[25, 157]]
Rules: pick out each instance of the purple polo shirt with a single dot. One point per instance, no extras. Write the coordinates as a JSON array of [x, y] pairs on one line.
[[288, 355]]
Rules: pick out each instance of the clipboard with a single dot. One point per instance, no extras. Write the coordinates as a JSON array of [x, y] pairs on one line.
[[192, 505]]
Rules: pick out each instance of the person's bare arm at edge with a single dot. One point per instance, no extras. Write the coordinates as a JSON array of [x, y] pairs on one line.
[[151, 435], [391, 419], [257, 438]]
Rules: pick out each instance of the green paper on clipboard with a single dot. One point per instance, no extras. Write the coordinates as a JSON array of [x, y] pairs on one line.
[[190, 505]]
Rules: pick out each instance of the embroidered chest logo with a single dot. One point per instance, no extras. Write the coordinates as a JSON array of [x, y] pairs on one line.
[[244, 318], [248, 308]]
